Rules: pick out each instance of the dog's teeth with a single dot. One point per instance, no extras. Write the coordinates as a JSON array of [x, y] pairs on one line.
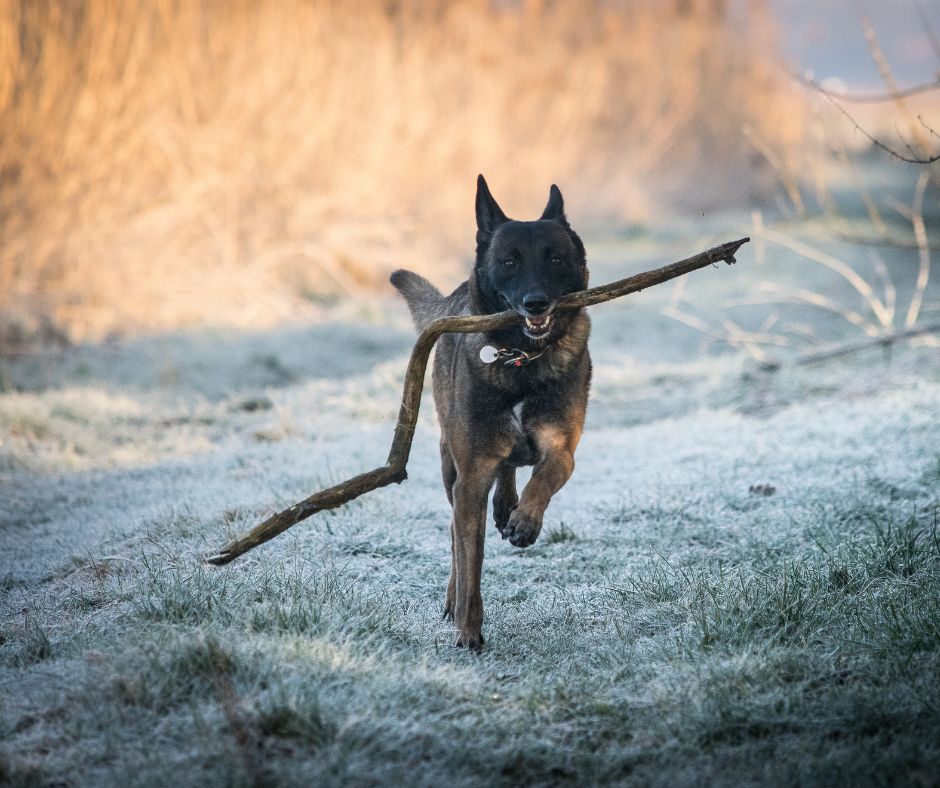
[[538, 324]]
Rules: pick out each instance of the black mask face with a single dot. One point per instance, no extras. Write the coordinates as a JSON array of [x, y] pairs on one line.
[[528, 266]]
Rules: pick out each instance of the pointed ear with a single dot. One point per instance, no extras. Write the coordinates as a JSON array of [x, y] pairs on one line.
[[555, 209], [489, 214]]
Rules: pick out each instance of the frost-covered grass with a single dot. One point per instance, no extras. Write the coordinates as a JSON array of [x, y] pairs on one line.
[[675, 624]]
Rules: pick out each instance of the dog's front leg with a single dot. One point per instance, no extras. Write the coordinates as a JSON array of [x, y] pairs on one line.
[[505, 497], [556, 447], [469, 527]]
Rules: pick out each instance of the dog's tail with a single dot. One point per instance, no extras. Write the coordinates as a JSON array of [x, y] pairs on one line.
[[425, 302]]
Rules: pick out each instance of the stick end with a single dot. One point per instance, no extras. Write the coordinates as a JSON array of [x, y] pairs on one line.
[[733, 249], [220, 559]]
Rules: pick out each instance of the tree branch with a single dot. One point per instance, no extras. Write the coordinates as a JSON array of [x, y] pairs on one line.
[[867, 98], [836, 351], [928, 28], [394, 469], [914, 159]]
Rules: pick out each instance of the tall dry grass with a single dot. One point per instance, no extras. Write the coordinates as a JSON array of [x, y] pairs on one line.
[[190, 161]]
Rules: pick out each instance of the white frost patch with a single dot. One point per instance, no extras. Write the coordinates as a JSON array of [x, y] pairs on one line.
[[79, 428]]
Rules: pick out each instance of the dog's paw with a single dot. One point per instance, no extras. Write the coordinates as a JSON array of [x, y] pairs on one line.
[[502, 511], [472, 641], [521, 530]]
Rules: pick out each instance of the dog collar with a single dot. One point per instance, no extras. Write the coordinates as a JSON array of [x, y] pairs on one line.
[[510, 358]]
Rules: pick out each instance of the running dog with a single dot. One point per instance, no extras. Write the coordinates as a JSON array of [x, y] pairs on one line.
[[507, 398]]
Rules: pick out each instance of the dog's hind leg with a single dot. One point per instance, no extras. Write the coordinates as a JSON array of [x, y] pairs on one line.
[[471, 491], [449, 474], [450, 605], [505, 497]]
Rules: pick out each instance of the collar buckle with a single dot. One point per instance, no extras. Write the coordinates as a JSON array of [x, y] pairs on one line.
[[513, 357]]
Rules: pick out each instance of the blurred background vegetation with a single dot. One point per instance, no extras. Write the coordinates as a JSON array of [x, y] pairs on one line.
[[192, 162]]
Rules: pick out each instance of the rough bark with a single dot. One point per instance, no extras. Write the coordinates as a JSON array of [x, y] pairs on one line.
[[394, 468]]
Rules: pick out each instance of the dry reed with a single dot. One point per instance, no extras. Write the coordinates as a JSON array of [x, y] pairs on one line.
[[190, 161]]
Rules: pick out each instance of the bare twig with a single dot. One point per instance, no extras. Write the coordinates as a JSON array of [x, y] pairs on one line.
[[894, 93], [874, 214], [928, 28], [835, 351], [781, 294], [868, 98], [928, 128], [873, 140], [787, 175], [889, 242], [923, 250], [394, 469], [887, 76], [863, 288], [887, 284]]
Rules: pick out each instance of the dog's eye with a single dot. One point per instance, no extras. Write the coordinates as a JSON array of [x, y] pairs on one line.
[[509, 262], [556, 260]]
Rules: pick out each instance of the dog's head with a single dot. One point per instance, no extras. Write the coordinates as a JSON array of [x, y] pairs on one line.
[[528, 266]]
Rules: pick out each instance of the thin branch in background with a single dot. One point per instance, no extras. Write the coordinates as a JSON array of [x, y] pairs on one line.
[[693, 321], [834, 264], [923, 250], [816, 162], [787, 177], [805, 331], [874, 141], [757, 222], [881, 321], [781, 294], [908, 146], [845, 229], [887, 76], [868, 98], [878, 56], [882, 329], [738, 331], [769, 322], [930, 130], [887, 284], [825, 198], [895, 94], [737, 335], [928, 28], [842, 349], [886, 243], [874, 214], [677, 292], [728, 332]]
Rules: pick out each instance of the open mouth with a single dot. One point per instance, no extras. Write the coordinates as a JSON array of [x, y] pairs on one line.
[[537, 327]]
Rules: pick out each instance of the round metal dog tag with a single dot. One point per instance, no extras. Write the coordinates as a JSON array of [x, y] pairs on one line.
[[488, 354]]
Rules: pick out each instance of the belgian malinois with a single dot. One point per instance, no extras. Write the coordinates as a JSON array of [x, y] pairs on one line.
[[508, 398]]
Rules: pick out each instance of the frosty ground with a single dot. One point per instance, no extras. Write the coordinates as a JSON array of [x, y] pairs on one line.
[[739, 585]]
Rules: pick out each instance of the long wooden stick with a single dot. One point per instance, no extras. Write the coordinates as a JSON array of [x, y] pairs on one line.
[[394, 468]]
